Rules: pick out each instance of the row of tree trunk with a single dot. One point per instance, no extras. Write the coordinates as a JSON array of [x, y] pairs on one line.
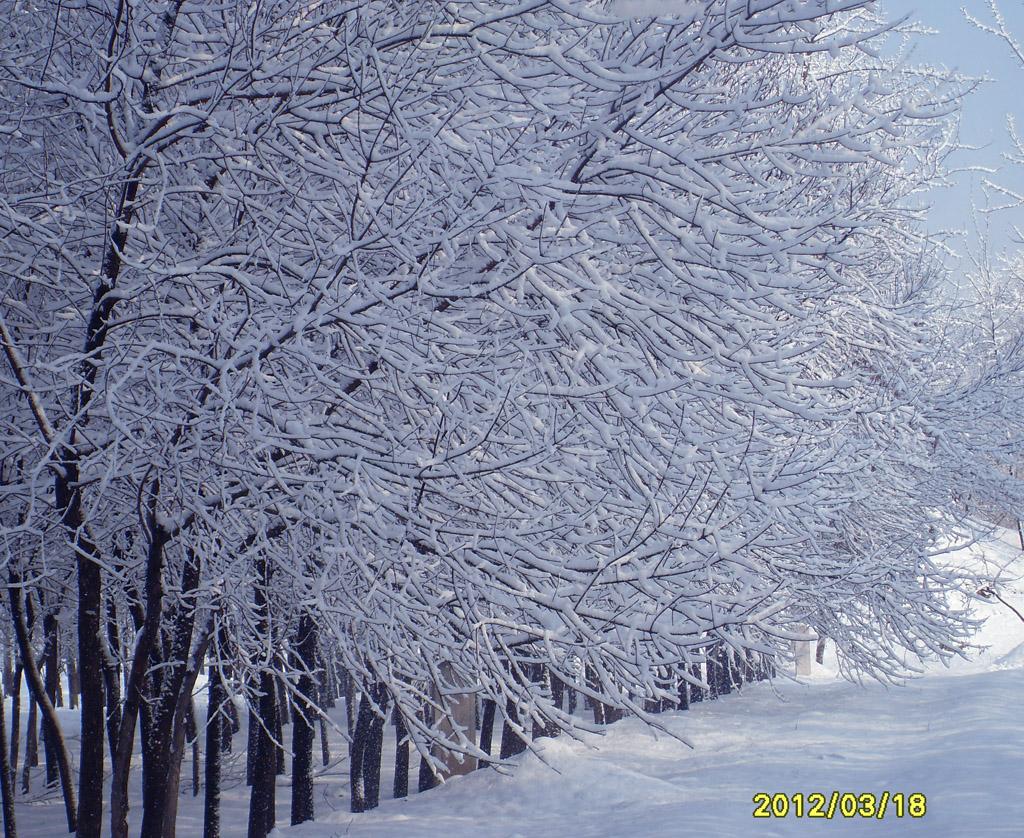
[[169, 725]]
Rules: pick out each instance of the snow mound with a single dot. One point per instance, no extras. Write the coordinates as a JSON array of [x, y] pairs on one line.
[[1014, 659]]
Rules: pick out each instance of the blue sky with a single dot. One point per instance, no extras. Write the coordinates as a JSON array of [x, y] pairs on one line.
[[960, 46]]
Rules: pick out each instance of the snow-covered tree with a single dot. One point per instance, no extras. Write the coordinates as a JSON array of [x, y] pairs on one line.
[[477, 345]]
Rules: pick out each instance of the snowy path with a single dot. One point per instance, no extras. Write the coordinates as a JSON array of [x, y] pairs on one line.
[[959, 740]]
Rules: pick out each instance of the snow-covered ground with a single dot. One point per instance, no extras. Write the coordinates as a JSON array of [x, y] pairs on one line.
[[955, 735]]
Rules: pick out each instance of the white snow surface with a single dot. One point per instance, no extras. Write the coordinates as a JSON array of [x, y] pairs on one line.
[[955, 734]]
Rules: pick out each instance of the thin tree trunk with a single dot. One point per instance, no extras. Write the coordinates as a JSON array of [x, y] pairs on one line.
[[427, 779], [303, 719], [278, 732], [723, 668], [31, 747], [557, 689], [231, 723], [819, 652], [176, 732], [252, 746], [262, 799], [357, 777], [73, 687], [90, 657], [214, 747], [401, 784], [147, 641], [51, 660], [349, 686], [284, 704], [325, 745], [486, 729], [511, 741], [328, 681], [696, 693], [49, 715], [181, 653], [263, 795], [157, 767], [375, 746], [192, 737], [111, 680], [15, 722], [711, 669], [6, 779]]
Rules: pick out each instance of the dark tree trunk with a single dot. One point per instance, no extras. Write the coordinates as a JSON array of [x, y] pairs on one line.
[[599, 706], [819, 651], [721, 657], [31, 746], [263, 799], [538, 675], [711, 670], [156, 757], [51, 660], [111, 680], [49, 715], [349, 687], [367, 745], [234, 727], [426, 780], [303, 719], [163, 747], [684, 695], [735, 669], [148, 626], [696, 693], [357, 779], [214, 746], [252, 745], [604, 714], [558, 689], [6, 778], [555, 688], [325, 744], [328, 682], [279, 766], [73, 687], [511, 742], [401, 785], [15, 722], [486, 728], [178, 714], [192, 738], [90, 658], [284, 704], [374, 749]]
